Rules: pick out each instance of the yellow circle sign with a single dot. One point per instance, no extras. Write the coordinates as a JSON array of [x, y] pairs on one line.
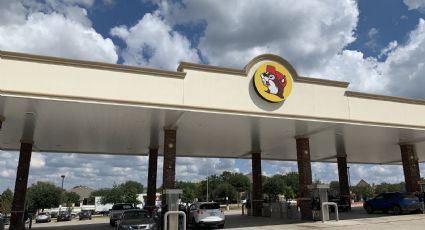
[[273, 82]]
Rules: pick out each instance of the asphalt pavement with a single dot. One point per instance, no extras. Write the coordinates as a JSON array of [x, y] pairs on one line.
[[355, 220]]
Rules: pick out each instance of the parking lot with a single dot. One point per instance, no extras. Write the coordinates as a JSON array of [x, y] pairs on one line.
[[356, 219]]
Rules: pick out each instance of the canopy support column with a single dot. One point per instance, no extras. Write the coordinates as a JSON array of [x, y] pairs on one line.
[[304, 177], [410, 167], [257, 186], [169, 166], [344, 187], [17, 221], [152, 172]]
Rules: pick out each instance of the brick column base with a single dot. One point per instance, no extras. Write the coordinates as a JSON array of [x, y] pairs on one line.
[[18, 204], [152, 170], [410, 167], [305, 178], [344, 187], [257, 186]]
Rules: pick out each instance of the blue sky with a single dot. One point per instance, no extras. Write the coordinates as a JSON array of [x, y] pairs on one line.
[[371, 44]]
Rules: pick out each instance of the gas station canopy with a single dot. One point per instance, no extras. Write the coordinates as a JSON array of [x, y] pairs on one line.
[[66, 105]]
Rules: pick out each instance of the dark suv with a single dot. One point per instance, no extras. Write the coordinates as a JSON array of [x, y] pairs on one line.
[[85, 214], [64, 216], [393, 201], [117, 211]]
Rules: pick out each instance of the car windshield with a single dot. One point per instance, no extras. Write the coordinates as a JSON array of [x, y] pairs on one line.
[[135, 215], [209, 206], [122, 207]]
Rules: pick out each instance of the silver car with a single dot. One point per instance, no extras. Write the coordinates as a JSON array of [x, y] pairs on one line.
[[206, 214], [43, 217], [136, 219]]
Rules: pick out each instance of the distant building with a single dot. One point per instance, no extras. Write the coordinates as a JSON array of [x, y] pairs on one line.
[[362, 183], [84, 192]]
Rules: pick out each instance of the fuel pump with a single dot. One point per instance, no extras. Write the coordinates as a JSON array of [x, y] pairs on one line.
[[319, 195], [172, 199]]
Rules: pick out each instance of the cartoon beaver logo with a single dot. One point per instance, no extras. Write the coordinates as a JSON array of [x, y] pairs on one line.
[[273, 82]]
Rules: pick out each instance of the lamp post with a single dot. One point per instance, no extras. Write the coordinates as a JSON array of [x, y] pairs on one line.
[[63, 178]]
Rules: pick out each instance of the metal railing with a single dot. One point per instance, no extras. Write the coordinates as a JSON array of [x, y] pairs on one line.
[[174, 213], [329, 204]]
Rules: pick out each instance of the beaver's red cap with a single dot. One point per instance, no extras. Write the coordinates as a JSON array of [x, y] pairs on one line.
[[271, 69]]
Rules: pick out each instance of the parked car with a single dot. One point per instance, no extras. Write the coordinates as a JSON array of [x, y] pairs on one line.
[[64, 216], [136, 219], [43, 217], [85, 214], [206, 214], [117, 210], [393, 201], [5, 218]]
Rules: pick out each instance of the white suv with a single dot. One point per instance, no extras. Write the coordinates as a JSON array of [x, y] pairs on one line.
[[206, 214]]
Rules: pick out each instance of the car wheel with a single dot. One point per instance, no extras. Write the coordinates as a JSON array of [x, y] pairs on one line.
[[112, 223], [369, 209], [221, 226], [397, 210]]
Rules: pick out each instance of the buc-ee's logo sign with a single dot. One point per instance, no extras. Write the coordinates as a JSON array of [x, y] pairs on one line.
[[273, 82]]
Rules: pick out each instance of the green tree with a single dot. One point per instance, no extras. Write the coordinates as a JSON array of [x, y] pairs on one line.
[[387, 187], [291, 180], [224, 190], [100, 192], [237, 180], [201, 190], [274, 186], [43, 195], [114, 195], [6, 199], [189, 190], [362, 192], [70, 198], [124, 193], [130, 191]]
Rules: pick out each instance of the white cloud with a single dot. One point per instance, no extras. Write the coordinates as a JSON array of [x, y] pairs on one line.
[[351, 66], [152, 42], [376, 173], [415, 4], [373, 35], [391, 46], [55, 29], [404, 67], [38, 161], [11, 12], [239, 30]]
